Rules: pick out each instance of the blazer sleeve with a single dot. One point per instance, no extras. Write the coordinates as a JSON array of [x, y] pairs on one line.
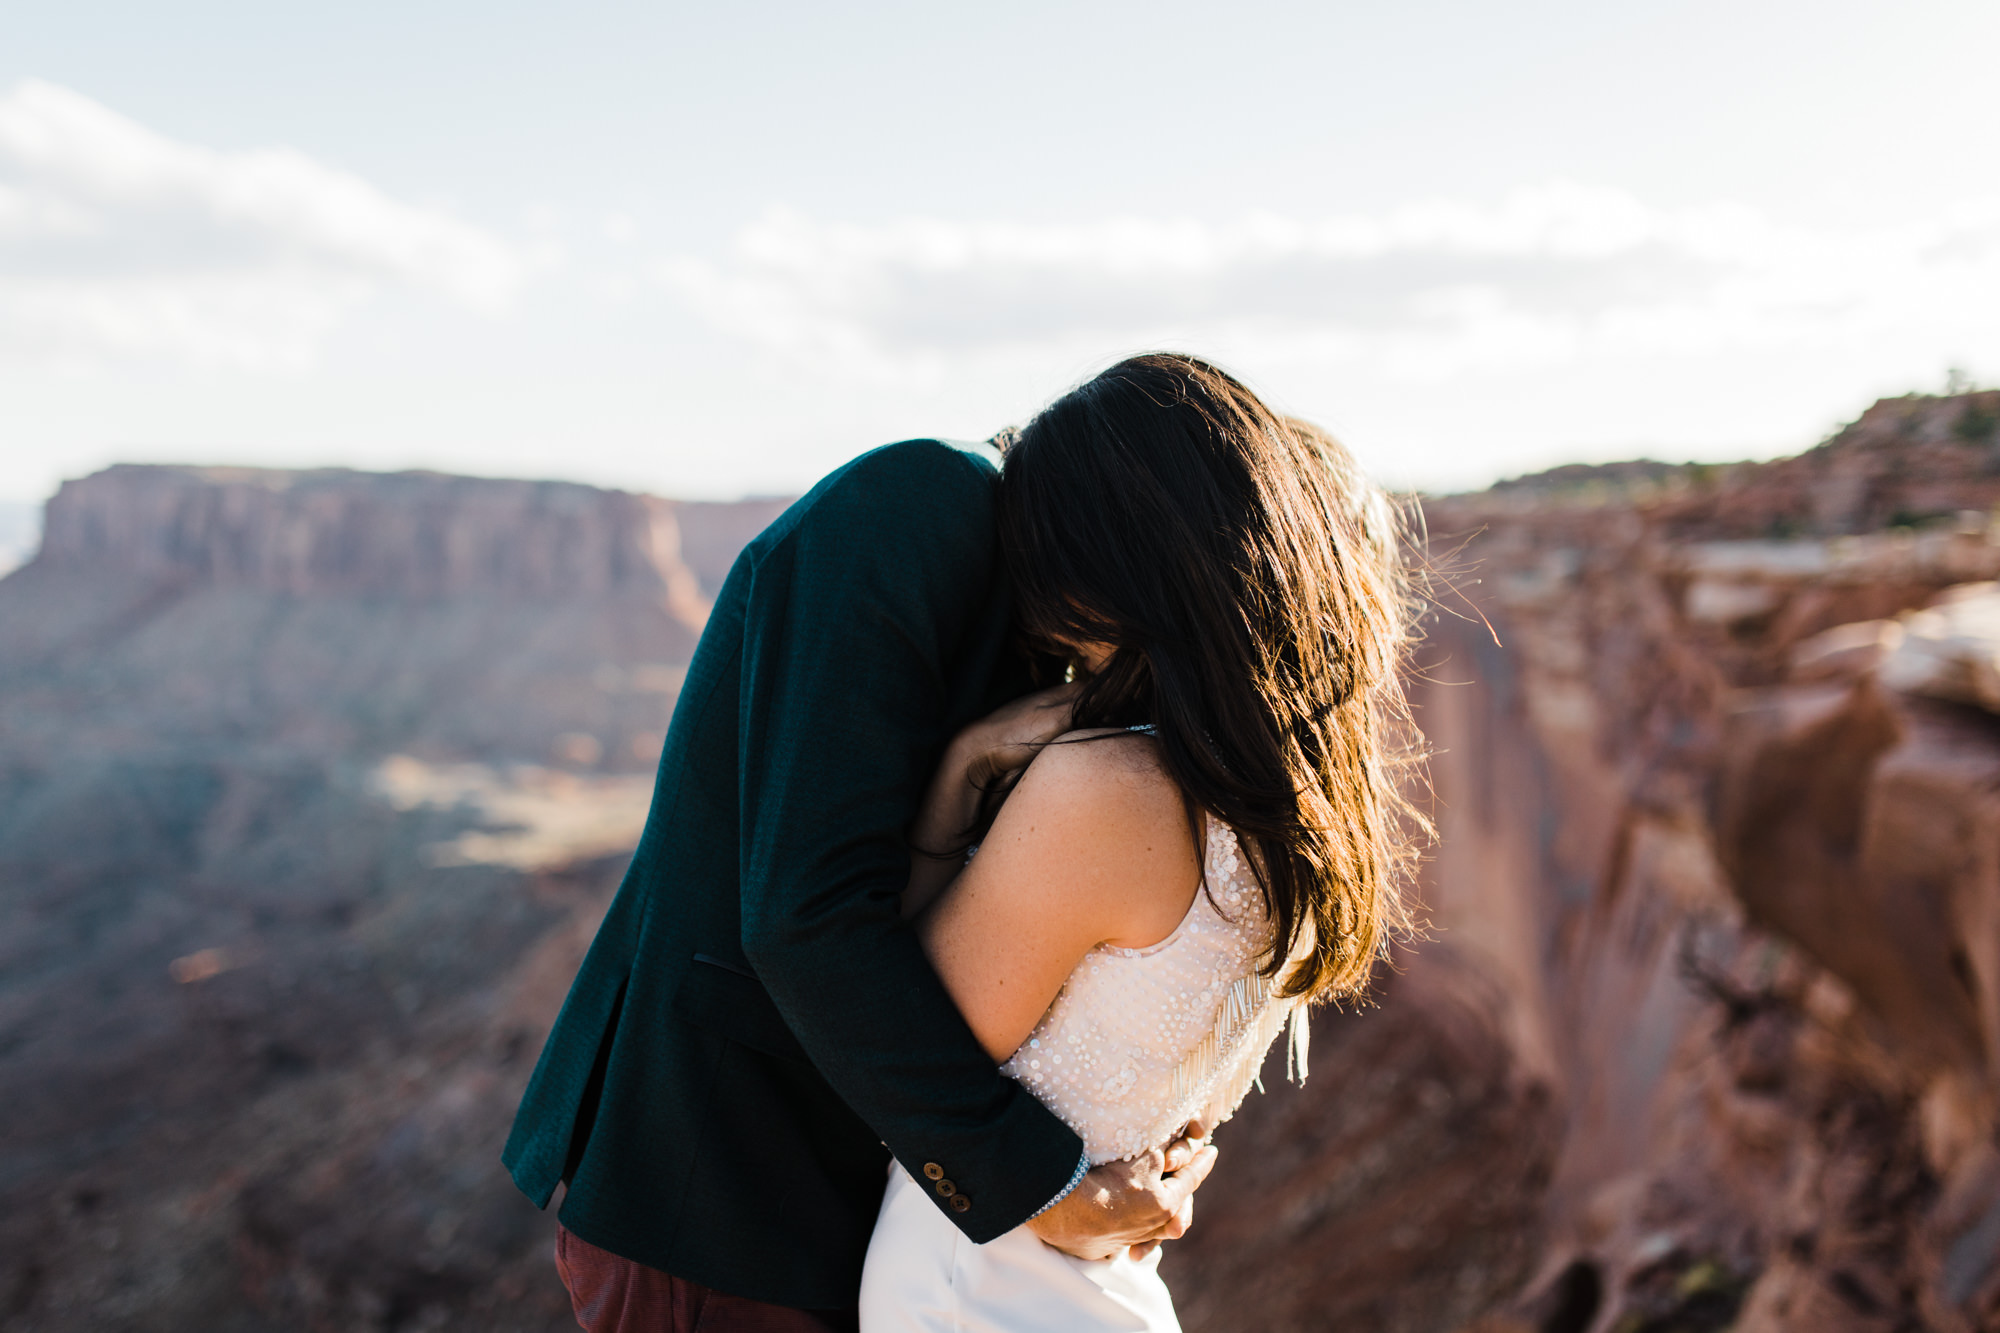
[[856, 621]]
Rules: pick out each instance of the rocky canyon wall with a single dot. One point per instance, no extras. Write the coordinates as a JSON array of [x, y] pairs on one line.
[[312, 787], [1703, 1035]]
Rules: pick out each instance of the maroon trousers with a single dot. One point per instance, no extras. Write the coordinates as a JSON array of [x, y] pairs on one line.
[[612, 1294]]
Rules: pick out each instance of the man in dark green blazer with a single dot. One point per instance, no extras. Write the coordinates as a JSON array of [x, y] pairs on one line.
[[755, 1029]]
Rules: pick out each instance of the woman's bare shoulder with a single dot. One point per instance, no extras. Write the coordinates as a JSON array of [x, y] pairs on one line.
[[1103, 771], [1102, 805]]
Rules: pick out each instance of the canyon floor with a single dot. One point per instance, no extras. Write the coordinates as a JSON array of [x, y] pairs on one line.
[[314, 785]]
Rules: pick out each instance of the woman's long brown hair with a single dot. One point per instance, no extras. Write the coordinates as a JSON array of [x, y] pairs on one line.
[[1249, 580]]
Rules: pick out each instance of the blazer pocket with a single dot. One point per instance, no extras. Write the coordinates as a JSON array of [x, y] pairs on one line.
[[716, 996]]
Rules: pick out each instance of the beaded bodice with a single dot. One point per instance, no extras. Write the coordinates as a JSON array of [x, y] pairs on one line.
[[1140, 1041]]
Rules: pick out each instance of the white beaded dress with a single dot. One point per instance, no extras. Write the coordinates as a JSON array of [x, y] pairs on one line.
[[1137, 1043]]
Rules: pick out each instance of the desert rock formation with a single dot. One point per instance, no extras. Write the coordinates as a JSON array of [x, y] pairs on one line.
[[312, 788], [1707, 1033]]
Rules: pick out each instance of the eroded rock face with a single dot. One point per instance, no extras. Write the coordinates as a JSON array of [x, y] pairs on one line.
[[1951, 649], [294, 874], [1725, 880], [312, 789]]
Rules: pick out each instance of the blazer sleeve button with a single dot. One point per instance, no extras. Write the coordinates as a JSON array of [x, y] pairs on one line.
[[933, 1170], [946, 1188], [959, 1203]]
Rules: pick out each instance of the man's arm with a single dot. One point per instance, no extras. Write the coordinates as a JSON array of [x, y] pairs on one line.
[[862, 622]]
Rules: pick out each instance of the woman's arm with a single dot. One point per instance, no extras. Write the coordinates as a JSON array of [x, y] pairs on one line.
[[1092, 847], [978, 761]]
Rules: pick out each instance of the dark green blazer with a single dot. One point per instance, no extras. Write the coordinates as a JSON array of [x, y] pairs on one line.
[[754, 1022]]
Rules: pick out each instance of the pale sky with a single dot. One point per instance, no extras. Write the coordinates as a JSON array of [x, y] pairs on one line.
[[708, 250]]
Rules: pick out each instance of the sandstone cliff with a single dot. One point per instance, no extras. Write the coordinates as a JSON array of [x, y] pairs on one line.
[[312, 787], [1704, 1036]]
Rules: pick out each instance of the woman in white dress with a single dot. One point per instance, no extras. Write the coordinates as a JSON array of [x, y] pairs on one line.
[[1214, 839]]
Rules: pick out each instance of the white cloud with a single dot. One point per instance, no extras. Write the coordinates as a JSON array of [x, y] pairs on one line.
[[117, 240], [1553, 276]]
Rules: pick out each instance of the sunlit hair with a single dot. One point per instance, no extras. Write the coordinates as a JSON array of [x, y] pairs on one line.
[[1251, 583]]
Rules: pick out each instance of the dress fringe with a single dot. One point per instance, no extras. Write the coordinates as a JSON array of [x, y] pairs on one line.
[[1248, 1001]]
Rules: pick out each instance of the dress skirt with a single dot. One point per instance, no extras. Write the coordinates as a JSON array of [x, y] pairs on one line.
[[924, 1276]]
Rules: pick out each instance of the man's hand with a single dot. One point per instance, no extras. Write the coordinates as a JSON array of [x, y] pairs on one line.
[[1131, 1205]]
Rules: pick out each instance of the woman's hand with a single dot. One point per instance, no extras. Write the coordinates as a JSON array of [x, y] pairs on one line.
[[1131, 1206], [978, 762], [1008, 739]]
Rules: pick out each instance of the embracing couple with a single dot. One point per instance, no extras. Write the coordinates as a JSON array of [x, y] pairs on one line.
[[926, 987]]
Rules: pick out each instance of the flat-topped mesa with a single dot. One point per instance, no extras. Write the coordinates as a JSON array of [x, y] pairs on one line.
[[340, 531]]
